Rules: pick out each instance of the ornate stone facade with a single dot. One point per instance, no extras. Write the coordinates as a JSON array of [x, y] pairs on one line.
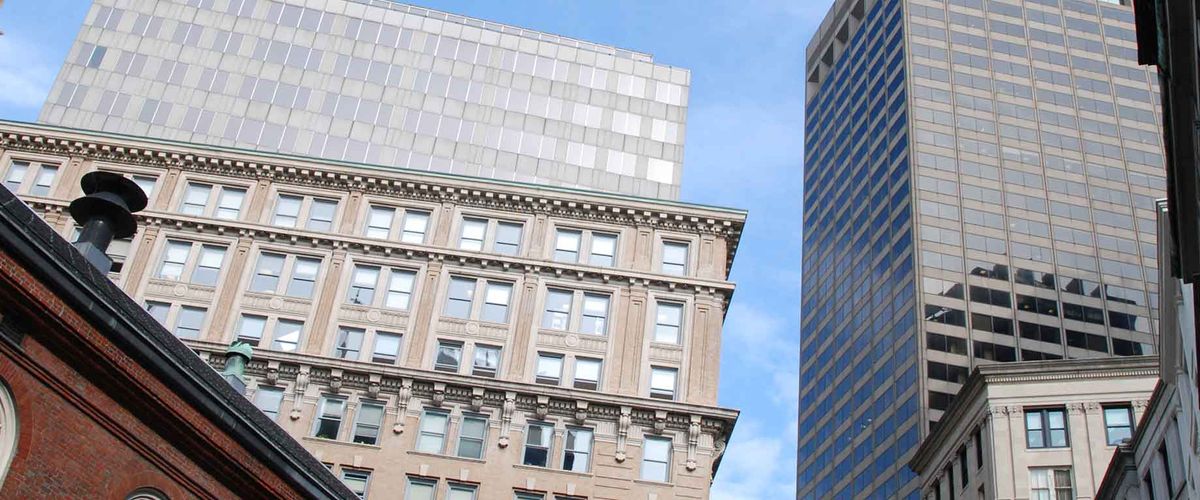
[[479, 332]]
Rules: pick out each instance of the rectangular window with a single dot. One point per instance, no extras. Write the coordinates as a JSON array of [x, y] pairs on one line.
[[267, 273], [558, 310], [604, 250], [459, 297], [472, 436], [268, 399], [587, 373], [449, 356], [1118, 424], [349, 343], [229, 203], [15, 178], [400, 288], [357, 481], [189, 321], [367, 423], [1168, 474], [662, 382], [577, 450], [962, 467], [251, 328], [1051, 484], [674, 258], [508, 238], [495, 302], [181, 259], [387, 348], [158, 311], [487, 361], [549, 369], [978, 448], [195, 198], [537, 445], [656, 459], [45, 179], [1046, 428], [416, 223], [461, 492], [287, 335], [432, 437], [379, 222], [304, 277], [287, 210], [566, 245], [420, 489], [472, 235], [329, 418], [595, 314], [668, 320], [363, 281], [320, 215]]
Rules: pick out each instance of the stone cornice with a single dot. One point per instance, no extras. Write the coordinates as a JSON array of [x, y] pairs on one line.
[[391, 181], [387, 248]]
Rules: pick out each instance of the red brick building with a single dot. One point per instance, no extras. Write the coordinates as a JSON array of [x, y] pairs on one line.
[[97, 400]]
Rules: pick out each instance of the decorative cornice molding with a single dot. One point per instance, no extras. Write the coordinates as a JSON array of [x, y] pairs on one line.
[[342, 176]]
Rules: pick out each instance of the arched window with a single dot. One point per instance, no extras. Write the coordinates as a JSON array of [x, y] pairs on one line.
[[8, 430], [147, 493]]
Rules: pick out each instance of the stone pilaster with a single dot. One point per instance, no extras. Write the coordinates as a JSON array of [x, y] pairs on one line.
[[627, 364], [325, 304], [229, 289], [526, 327], [424, 320]]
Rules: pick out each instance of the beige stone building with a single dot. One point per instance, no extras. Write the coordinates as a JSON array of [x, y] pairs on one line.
[[429, 335], [1035, 430]]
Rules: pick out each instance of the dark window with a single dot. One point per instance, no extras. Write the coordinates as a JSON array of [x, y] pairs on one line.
[[994, 352], [949, 373], [1046, 428], [1034, 278], [1166, 463], [1127, 348], [1082, 340], [939, 342], [978, 448], [1042, 333], [962, 466], [1027, 355], [990, 296], [1083, 313], [945, 315], [989, 270], [1118, 424], [986, 323], [1037, 305], [940, 400]]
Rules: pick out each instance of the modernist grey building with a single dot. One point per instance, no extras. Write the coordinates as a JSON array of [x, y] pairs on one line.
[[379, 82], [980, 181]]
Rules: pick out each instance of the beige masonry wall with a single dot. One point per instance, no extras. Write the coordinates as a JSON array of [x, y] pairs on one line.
[[622, 411]]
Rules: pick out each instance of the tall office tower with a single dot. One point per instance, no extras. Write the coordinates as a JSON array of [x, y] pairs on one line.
[[980, 181], [378, 82], [442, 336]]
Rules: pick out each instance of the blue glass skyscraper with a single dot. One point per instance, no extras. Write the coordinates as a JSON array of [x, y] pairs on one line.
[[980, 179]]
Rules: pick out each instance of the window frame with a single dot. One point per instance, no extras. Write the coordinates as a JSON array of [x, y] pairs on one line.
[[547, 431], [667, 462], [659, 393], [688, 245], [359, 423], [585, 252], [478, 298], [423, 432], [34, 167], [1046, 430], [538, 378], [1132, 426], [304, 214], [481, 439], [567, 450], [191, 262], [659, 303], [175, 325], [366, 480], [287, 277], [491, 229], [277, 392], [212, 207], [319, 417], [411, 481], [576, 316], [448, 343], [397, 229], [596, 384]]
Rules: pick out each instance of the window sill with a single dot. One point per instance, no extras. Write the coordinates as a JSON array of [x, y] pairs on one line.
[[1048, 449], [549, 469], [346, 443], [451, 457], [652, 482]]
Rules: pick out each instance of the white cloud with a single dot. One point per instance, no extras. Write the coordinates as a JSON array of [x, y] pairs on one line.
[[758, 464], [26, 73]]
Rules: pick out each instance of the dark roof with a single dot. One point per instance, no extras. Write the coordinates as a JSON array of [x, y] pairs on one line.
[[56, 263]]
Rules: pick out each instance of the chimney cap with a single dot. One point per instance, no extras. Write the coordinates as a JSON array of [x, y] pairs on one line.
[[110, 195]]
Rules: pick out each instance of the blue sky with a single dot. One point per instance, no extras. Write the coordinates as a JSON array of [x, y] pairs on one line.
[[744, 149]]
